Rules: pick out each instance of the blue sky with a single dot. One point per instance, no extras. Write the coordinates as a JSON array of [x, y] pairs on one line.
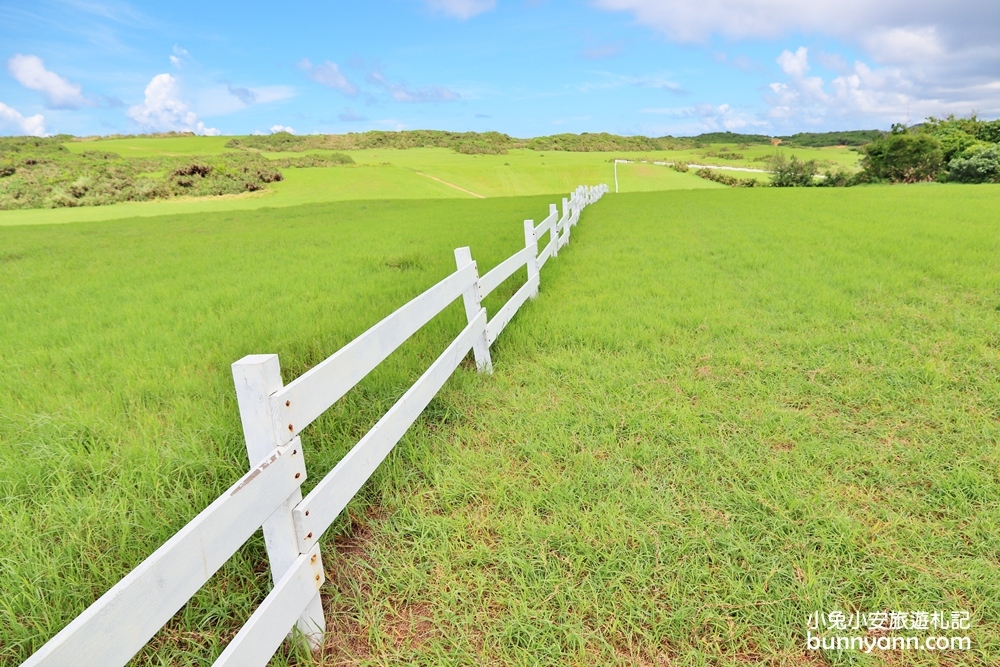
[[524, 67]]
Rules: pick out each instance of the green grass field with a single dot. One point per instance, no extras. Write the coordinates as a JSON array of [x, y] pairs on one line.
[[411, 174], [153, 146], [725, 410]]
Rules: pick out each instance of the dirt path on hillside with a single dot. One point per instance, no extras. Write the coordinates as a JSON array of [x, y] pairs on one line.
[[451, 185]]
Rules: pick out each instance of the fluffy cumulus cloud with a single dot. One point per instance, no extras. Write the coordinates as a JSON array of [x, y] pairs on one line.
[[400, 92], [59, 92], [928, 54], [162, 109], [858, 91], [282, 128], [709, 118], [329, 75], [686, 21], [11, 120], [461, 9]]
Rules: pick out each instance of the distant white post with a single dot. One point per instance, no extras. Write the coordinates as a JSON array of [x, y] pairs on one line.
[[471, 299], [531, 242], [257, 376]]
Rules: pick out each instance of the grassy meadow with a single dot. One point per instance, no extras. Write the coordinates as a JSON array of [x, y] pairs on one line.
[[726, 410], [417, 173]]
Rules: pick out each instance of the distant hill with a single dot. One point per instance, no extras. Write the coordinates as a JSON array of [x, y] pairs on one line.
[[820, 139], [498, 143]]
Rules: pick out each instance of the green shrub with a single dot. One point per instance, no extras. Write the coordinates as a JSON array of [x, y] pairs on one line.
[[989, 132], [982, 166], [314, 160], [836, 179], [724, 155], [726, 179], [902, 156], [790, 173], [955, 140]]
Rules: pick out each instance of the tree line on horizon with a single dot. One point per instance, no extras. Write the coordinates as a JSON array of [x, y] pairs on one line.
[[497, 143]]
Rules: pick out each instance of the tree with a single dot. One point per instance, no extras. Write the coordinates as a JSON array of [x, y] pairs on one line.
[[790, 173], [903, 157]]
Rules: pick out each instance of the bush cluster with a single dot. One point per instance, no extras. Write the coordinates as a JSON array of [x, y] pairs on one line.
[[42, 173], [824, 139], [724, 154], [960, 150], [790, 173], [726, 179]]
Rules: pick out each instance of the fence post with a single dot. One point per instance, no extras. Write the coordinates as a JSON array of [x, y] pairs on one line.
[[554, 230], [471, 299], [531, 242], [257, 376]]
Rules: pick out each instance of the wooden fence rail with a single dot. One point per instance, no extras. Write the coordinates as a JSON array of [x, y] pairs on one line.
[[116, 627]]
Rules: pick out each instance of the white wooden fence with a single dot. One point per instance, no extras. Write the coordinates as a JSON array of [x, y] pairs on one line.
[[113, 629]]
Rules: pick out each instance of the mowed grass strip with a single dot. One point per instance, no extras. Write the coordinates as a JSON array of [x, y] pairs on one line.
[[725, 410]]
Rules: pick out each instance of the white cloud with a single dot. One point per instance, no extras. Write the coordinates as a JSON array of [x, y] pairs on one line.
[[858, 92], [61, 93], [941, 56], [329, 75], [905, 45], [709, 117], [178, 57], [400, 92], [282, 128], [11, 119], [391, 123], [795, 64], [163, 110], [226, 98], [611, 81], [686, 21], [461, 9]]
